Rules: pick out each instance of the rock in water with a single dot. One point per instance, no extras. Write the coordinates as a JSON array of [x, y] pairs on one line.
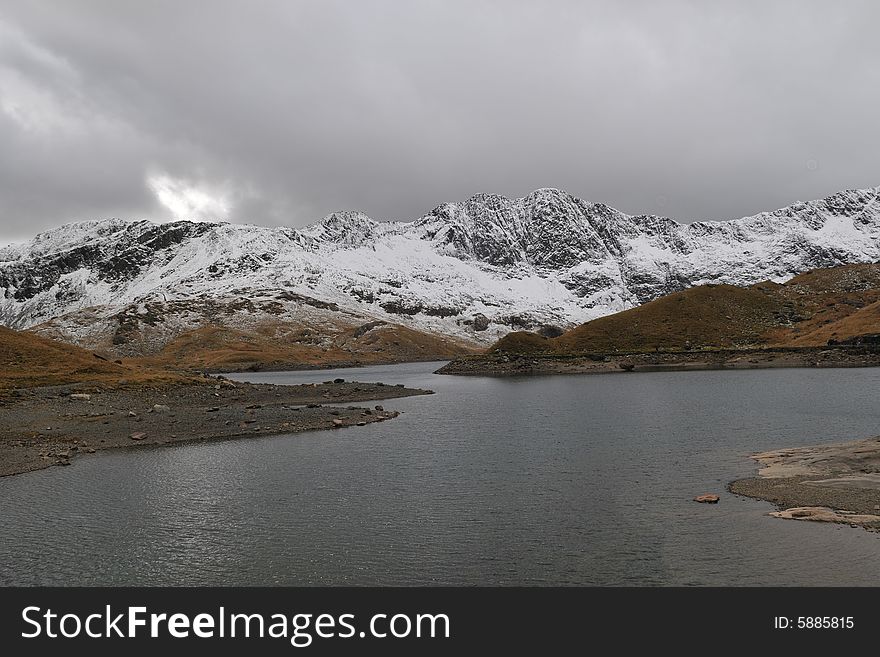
[[708, 498]]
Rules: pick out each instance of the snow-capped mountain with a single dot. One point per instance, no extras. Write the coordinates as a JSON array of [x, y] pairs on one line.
[[474, 270]]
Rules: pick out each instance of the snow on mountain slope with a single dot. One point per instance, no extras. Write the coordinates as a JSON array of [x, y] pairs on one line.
[[548, 258]]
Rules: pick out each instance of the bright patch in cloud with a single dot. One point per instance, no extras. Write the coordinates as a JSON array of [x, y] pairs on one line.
[[186, 200]]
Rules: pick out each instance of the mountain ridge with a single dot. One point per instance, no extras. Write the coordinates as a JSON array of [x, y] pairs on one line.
[[473, 270]]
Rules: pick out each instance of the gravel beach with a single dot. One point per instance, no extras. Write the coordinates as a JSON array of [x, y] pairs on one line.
[[42, 427]]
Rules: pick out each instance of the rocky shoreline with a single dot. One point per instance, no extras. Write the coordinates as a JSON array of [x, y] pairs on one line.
[[47, 426], [827, 483], [512, 364]]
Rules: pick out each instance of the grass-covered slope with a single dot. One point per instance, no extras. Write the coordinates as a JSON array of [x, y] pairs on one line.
[[28, 360]]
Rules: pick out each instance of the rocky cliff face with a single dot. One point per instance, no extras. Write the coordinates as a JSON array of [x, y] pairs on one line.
[[546, 259]]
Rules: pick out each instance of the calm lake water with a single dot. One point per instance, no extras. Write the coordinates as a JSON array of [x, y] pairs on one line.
[[574, 480]]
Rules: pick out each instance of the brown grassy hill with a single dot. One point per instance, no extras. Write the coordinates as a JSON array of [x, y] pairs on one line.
[[721, 315], [840, 304], [28, 360], [272, 329], [217, 348]]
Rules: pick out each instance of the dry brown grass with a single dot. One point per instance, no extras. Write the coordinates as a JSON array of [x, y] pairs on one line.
[[832, 304], [28, 360], [215, 348], [721, 315]]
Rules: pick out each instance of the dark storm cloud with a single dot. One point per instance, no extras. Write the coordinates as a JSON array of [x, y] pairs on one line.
[[279, 112]]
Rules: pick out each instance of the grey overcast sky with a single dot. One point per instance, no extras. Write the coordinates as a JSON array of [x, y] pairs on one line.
[[280, 112]]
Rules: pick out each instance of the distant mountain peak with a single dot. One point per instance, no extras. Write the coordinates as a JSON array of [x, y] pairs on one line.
[[346, 228]]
